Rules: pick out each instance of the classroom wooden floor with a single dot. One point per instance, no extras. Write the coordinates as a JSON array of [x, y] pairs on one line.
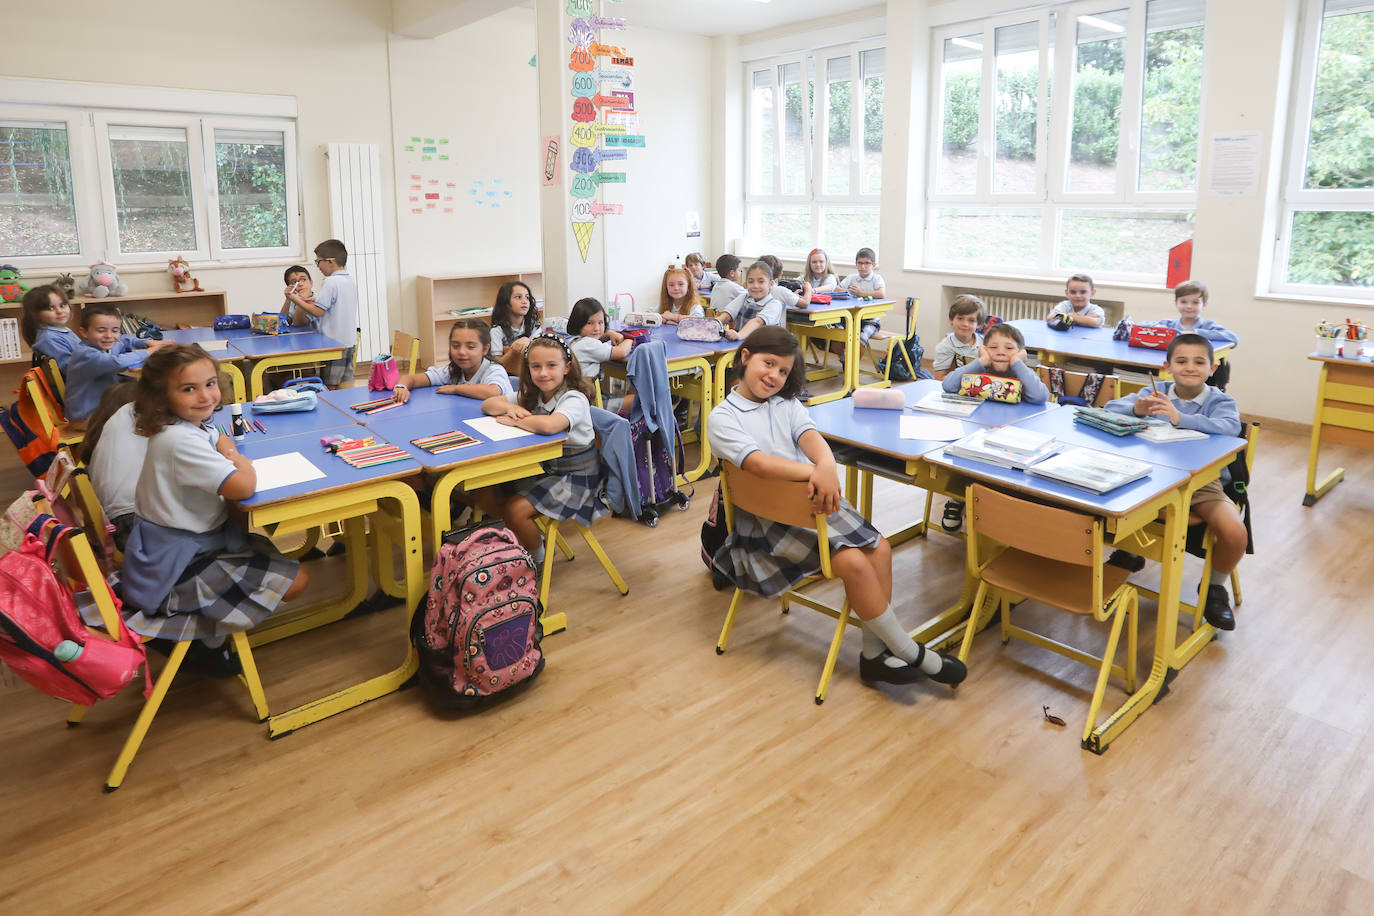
[[644, 774]]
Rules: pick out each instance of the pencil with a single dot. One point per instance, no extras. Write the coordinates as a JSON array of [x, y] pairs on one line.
[[390, 406]]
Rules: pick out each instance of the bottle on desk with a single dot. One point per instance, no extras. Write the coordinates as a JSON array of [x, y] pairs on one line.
[[237, 425]]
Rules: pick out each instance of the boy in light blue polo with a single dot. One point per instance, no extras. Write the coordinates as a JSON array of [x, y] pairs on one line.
[[335, 307]]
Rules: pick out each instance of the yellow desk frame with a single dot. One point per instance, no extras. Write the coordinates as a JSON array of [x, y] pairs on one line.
[[263, 365], [352, 502], [696, 379], [1344, 415]]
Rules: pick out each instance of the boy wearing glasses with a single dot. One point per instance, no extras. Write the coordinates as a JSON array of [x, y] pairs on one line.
[[334, 310]]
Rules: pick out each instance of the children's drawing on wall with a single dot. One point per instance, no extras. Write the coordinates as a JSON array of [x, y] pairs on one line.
[[549, 154]]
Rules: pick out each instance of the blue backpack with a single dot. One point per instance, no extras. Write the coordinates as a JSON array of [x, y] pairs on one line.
[[914, 351]]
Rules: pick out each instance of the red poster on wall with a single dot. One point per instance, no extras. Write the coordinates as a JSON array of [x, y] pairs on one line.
[[1180, 264]]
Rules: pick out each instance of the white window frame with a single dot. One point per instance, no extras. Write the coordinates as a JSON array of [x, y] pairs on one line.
[[814, 124], [1053, 141], [1295, 197], [87, 110]]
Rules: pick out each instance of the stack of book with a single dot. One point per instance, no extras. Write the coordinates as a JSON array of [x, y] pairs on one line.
[[1118, 424], [1091, 470], [951, 405], [1167, 432], [1006, 447]]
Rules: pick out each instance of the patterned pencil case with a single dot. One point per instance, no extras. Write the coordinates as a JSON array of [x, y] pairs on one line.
[[1149, 337], [232, 323], [705, 330], [991, 388]]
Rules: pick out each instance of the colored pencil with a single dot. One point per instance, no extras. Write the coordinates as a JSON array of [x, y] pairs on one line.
[[368, 405], [390, 406]]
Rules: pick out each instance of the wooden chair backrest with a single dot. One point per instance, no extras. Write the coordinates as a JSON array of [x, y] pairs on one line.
[[1073, 384], [782, 501], [42, 407], [55, 379], [1046, 531], [406, 351]]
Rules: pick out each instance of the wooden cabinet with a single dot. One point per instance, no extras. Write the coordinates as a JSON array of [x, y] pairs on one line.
[[441, 296]]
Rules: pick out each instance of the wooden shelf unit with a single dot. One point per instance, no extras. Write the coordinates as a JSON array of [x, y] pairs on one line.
[[436, 295]]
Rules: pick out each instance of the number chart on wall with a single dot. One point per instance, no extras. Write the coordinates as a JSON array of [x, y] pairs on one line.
[[605, 124]]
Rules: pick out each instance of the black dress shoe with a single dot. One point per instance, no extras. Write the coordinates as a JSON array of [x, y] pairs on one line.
[[952, 672], [953, 518], [1122, 559], [1217, 609], [878, 671]]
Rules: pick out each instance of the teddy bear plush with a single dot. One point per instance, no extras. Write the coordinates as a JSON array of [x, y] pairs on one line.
[[12, 289], [181, 276], [103, 281]]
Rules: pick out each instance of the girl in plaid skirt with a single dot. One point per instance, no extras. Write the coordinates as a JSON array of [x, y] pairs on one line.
[[552, 399], [190, 572], [763, 428]]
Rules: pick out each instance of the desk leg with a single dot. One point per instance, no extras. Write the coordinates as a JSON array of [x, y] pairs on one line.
[[409, 511], [1166, 632], [326, 610], [708, 385], [1316, 491], [851, 353]]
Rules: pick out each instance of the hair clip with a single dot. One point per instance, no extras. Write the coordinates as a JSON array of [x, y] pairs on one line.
[[562, 345]]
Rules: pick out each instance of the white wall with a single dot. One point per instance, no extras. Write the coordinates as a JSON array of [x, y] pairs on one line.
[[475, 88], [331, 57]]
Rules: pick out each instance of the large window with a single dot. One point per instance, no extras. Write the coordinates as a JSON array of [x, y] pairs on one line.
[[1066, 139], [1326, 239], [814, 154], [137, 187]]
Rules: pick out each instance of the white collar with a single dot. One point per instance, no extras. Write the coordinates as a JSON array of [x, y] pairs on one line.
[[1200, 399], [740, 402]]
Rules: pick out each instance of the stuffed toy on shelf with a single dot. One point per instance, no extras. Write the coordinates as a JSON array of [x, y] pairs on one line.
[[67, 284], [12, 289], [181, 275], [103, 281]]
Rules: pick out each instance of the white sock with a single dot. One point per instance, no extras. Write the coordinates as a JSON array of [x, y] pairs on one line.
[[889, 632], [1218, 578], [873, 646], [537, 555]]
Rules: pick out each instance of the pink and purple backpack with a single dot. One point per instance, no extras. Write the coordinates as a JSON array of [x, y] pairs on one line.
[[478, 631]]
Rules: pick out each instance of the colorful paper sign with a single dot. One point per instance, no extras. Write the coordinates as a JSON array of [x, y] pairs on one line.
[[582, 135], [608, 177], [604, 22], [581, 60], [631, 140], [624, 78], [622, 61], [614, 100], [629, 98], [583, 110], [600, 50], [580, 33], [579, 9], [607, 209], [583, 85]]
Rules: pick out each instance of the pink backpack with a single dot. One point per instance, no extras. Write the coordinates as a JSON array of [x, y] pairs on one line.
[[43, 638], [478, 631]]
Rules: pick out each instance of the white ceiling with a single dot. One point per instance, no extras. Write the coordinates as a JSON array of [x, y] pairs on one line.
[[727, 17], [724, 17]]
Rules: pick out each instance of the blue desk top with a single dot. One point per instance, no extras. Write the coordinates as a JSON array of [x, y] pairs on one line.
[[834, 305], [338, 473], [677, 348], [1093, 344], [1116, 503], [191, 335], [879, 430], [422, 400], [258, 346], [400, 427], [1190, 455]]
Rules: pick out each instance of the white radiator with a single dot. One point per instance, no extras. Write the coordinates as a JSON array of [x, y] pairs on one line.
[[1009, 306], [355, 218]]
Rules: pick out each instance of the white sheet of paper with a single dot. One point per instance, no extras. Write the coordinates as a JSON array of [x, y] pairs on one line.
[[495, 431], [926, 426], [1234, 164], [284, 470], [214, 346]]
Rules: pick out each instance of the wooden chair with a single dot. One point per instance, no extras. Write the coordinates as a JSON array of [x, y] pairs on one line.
[[1200, 539], [1073, 385], [406, 351], [786, 502], [1053, 556], [51, 420], [79, 565], [55, 379], [891, 345]]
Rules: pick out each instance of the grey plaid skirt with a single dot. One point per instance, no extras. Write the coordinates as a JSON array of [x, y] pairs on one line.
[[219, 594], [571, 489], [768, 558]]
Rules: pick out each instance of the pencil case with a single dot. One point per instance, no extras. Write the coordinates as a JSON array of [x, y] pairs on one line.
[[707, 330], [991, 387], [266, 323], [1149, 337], [308, 383], [232, 323], [1108, 421], [286, 400], [880, 398], [643, 320]]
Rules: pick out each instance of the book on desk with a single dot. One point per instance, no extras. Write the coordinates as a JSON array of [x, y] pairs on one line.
[[1091, 470], [951, 405], [983, 446]]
